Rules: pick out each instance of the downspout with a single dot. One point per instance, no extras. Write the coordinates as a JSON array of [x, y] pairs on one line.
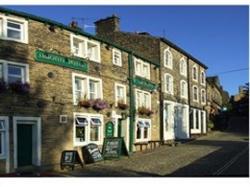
[[131, 102], [161, 97], [189, 97]]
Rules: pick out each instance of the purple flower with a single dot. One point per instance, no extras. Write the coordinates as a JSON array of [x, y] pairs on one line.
[[100, 104], [19, 87]]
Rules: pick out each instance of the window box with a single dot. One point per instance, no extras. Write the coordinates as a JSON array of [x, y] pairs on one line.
[[144, 111], [85, 103], [19, 87], [121, 105]]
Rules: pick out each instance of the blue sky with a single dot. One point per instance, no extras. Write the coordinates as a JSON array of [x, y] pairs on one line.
[[216, 35]]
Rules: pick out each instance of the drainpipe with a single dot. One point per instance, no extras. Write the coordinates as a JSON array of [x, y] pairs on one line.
[[189, 97], [131, 102], [161, 97]]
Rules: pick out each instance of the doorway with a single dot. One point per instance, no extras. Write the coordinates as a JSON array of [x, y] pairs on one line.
[[169, 133], [27, 141]]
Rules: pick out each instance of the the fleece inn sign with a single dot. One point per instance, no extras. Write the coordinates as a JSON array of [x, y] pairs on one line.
[[56, 59]]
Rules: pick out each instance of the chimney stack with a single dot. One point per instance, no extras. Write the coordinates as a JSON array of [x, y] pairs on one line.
[[107, 25]]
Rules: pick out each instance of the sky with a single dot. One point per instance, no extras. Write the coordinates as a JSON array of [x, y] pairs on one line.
[[216, 35]]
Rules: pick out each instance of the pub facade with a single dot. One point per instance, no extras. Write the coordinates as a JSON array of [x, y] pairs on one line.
[[60, 87]]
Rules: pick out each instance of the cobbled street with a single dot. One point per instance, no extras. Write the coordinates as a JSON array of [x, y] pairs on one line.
[[217, 154]]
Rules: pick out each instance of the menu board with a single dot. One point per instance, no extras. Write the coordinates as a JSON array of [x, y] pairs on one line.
[[91, 153], [70, 158], [114, 148]]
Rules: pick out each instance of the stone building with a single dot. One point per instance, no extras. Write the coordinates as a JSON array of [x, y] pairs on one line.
[[60, 87], [183, 79], [214, 96]]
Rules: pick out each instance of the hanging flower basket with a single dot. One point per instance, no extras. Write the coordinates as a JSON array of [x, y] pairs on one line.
[[3, 86], [122, 105], [144, 111], [19, 87], [100, 104]]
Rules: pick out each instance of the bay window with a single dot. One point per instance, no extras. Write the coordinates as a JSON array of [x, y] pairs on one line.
[[85, 48], [13, 29], [143, 129], [85, 87], [87, 128]]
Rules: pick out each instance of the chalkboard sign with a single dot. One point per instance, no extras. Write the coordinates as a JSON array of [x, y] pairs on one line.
[[91, 153], [70, 158], [114, 148]]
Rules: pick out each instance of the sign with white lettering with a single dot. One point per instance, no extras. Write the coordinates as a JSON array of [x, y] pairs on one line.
[[56, 59]]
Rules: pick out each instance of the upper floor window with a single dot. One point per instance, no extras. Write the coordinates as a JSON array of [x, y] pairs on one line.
[[169, 84], [195, 73], [168, 59], [13, 29], [142, 69], [12, 72], [195, 93], [117, 57], [120, 93], [203, 96], [203, 78], [183, 67], [183, 89], [143, 99], [85, 48], [86, 87]]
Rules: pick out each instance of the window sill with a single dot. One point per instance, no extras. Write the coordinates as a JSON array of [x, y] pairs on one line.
[[14, 40]]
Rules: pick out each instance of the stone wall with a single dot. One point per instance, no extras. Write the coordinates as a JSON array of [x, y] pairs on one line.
[[51, 97]]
